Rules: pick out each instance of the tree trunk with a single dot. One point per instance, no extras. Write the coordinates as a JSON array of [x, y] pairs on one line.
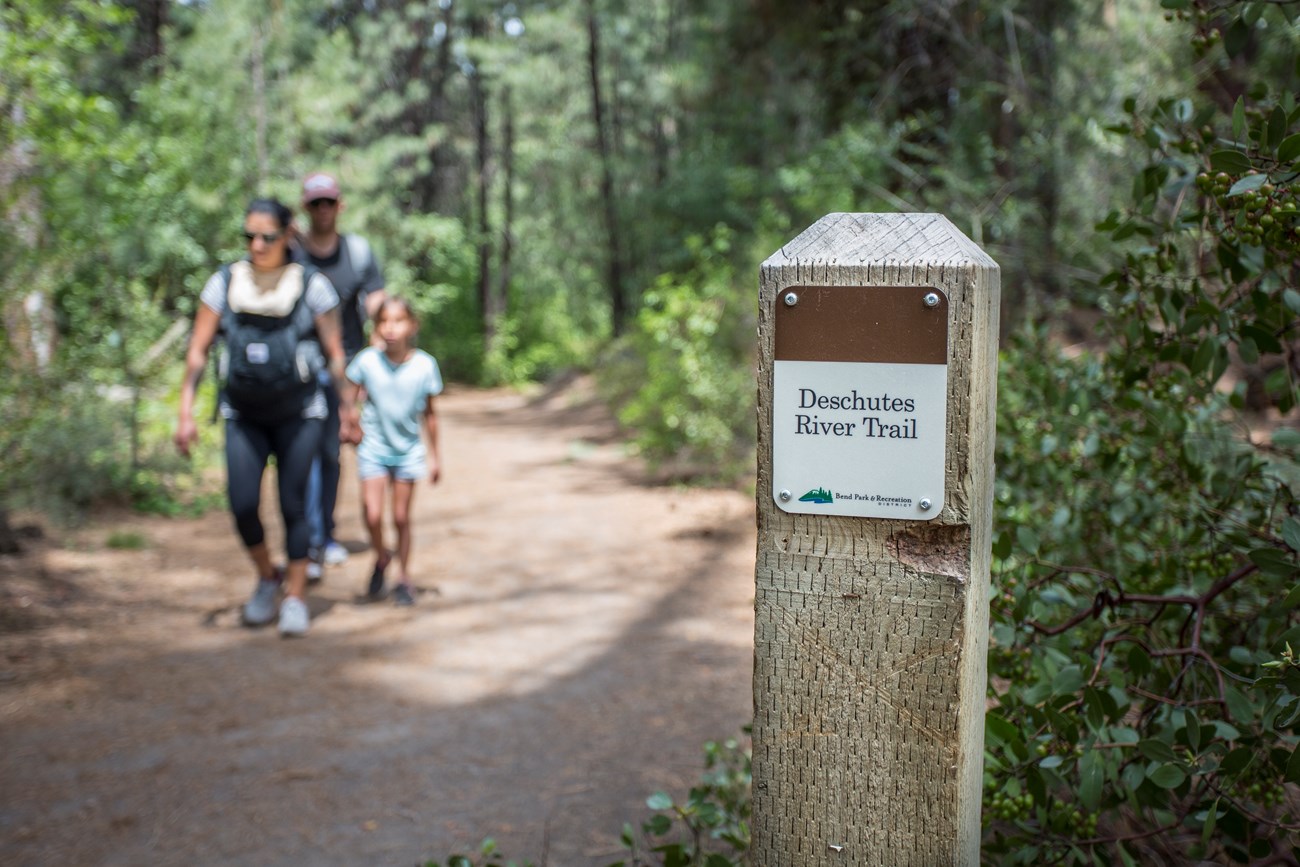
[[482, 157], [439, 189], [259, 106], [151, 22], [502, 300], [618, 304]]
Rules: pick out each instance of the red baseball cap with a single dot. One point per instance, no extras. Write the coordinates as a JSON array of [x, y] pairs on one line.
[[319, 185]]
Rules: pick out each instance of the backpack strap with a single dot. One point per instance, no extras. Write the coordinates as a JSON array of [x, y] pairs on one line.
[[223, 328], [227, 320], [358, 252], [305, 322]]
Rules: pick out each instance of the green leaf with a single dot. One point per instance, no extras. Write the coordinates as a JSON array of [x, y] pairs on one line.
[[1265, 340], [1001, 730], [1292, 599], [628, 836], [1293, 767], [1204, 356], [1239, 118], [1291, 298], [1247, 184], [1155, 750], [659, 801], [1238, 760], [1235, 41], [1291, 533], [1288, 719], [1068, 680], [1138, 661], [1092, 773], [1276, 127], [1289, 149], [1027, 539], [1230, 161], [1193, 729], [1211, 817], [675, 855], [1050, 762], [658, 825], [1167, 776], [1273, 561]]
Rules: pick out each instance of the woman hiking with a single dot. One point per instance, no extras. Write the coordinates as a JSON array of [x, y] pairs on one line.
[[280, 323]]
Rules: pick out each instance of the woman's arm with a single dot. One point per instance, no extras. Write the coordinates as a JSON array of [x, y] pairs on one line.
[[331, 341], [206, 322]]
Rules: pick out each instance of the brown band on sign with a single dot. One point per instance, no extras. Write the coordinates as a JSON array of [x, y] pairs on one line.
[[867, 324]]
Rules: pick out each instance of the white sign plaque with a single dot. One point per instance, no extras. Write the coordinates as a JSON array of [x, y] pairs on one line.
[[859, 439]]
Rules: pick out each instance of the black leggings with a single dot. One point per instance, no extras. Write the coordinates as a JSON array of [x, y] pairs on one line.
[[248, 444]]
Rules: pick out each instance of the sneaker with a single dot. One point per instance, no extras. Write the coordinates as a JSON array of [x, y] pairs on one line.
[[402, 595], [259, 610], [335, 554], [315, 572], [294, 617], [376, 588]]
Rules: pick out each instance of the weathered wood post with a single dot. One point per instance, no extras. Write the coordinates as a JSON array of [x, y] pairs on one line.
[[876, 389]]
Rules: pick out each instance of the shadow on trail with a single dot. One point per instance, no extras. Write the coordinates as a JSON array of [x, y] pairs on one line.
[[538, 700]]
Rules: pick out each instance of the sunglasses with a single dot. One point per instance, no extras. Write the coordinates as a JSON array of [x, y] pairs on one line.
[[316, 203], [267, 237]]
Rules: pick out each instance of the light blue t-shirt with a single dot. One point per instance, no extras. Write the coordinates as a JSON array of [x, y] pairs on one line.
[[396, 395]]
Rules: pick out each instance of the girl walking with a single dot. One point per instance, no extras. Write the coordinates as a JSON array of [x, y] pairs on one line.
[[399, 383]]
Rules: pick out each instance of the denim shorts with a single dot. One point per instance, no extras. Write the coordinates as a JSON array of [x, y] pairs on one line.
[[411, 468]]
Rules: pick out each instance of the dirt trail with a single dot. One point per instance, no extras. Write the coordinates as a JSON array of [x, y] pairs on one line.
[[578, 636]]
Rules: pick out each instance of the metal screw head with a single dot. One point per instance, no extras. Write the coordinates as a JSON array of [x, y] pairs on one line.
[[785, 496], [791, 299], [925, 504], [931, 299]]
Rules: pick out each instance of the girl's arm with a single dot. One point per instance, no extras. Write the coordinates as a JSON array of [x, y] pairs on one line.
[[355, 395], [206, 321], [431, 428]]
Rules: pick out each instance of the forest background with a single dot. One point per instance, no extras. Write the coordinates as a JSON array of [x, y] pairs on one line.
[[591, 185]]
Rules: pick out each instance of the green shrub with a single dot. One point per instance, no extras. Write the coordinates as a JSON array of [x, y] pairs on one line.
[[683, 380], [1143, 614], [711, 827]]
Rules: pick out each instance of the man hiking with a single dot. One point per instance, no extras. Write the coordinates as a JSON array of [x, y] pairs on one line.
[[351, 266]]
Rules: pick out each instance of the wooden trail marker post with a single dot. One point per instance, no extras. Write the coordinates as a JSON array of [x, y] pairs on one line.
[[876, 389]]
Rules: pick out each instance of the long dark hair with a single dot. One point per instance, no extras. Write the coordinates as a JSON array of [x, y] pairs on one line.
[[276, 208]]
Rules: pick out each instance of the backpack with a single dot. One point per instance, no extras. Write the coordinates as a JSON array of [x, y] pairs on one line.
[[269, 364], [358, 252]]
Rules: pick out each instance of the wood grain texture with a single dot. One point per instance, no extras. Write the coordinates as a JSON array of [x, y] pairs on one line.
[[871, 635]]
